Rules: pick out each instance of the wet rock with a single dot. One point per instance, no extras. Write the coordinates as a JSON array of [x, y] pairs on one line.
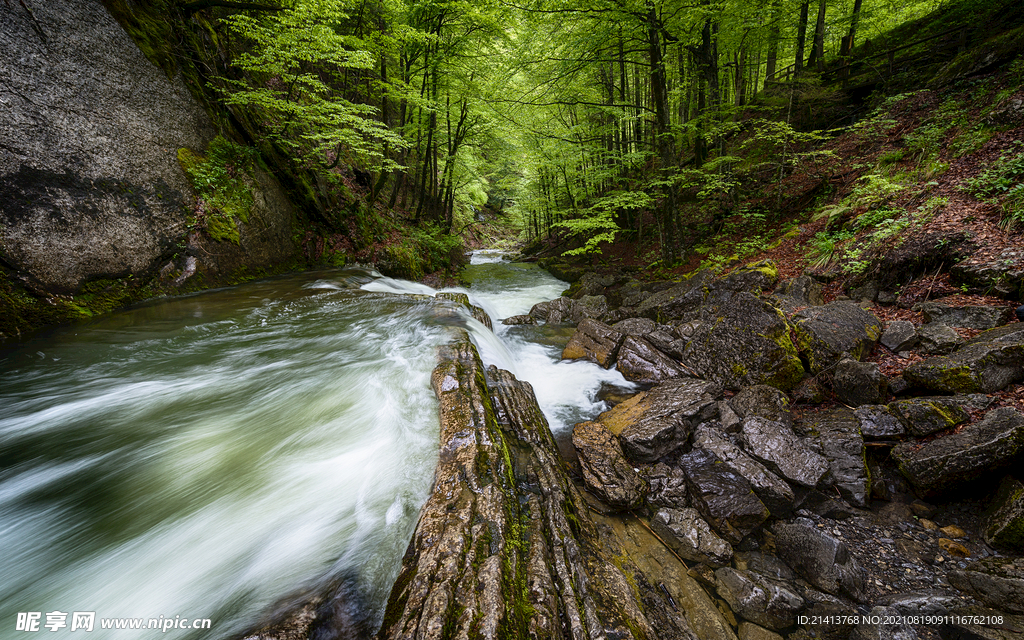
[[953, 548], [762, 401], [838, 433], [899, 335], [1019, 312], [819, 558], [937, 339], [666, 342], [594, 341], [635, 326], [520, 319], [803, 289], [587, 307], [758, 599], [730, 421], [1003, 524], [996, 582], [878, 422], [551, 312], [920, 603], [606, 472], [886, 298], [824, 505], [775, 493], [724, 498], [924, 416], [883, 623], [951, 460], [742, 341], [987, 363], [970, 317], [691, 537], [592, 284], [668, 487], [953, 531], [680, 303], [755, 278], [827, 333], [856, 383], [639, 362], [460, 298], [751, 631], [775, 444], [975, 623], [809, 391], [657, 422]]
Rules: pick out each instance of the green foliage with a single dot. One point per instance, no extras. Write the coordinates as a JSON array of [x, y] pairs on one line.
[[597, 225], [219, 178], [825, 248], [425, 249], [1002, 183]]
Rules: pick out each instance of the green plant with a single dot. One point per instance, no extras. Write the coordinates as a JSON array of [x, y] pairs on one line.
[[826, 247], [1002, 183], [223, 197]]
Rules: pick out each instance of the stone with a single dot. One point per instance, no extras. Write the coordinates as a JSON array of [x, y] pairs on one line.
[[937, 339], [635, 326], [952, 460], [762, 401], [606, 472], [809, 391], [1019, 312], [878, 422], [989, 362], [954, 548], [994, 581], [730, 421], [865, 293], [839, 436], [953, 531], [680, 303], [975, 623], [723, 497], [920, 603], [754, 277], [775, 493], [825, 334], [478, 313], [638, 361], [924, 416], [803, 289], [668, 486], [969, 317], [899, 335], [856, 383], [665, 342], [887, 298], [922, 509], [758, 599], [592, 284], [751, 631], [1003, 524], [657, 422], [691, 537], [742, 341], [594, 341], [775, 444], [883, 623], [520, 319], [587, 307], [820, 558], [551, 312]]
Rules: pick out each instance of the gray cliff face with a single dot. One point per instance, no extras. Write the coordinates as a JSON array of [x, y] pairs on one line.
[[90, 185]]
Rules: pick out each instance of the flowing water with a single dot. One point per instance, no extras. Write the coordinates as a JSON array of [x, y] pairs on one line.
[[207, 456]]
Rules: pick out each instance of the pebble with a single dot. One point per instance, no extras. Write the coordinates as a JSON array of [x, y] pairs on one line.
[[928, 524], [953, 531]]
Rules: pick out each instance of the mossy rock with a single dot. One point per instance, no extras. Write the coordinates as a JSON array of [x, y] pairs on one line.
[[826, 334]]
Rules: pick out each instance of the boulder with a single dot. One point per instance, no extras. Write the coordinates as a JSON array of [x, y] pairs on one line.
[[551, 312], [935, 338], [742, 341], [753, 597], [883, 623], [664, 339], [606, 472], [820, 559], [809, 391], [751, 631], [856, 383], [639, 362], [680, 303], [838, 433], [975, 623], [691, 537], [655, 423], [952, 460], [803, 289], [924, 416], [587, 307], [592, 284], [635, 326], [878, 422], [997, 274], [594, 341], [996, 582], [775, 493], [724, 498], [754, 277], [775, 444], [1003, 524], [520, 319], [668, 486], [762, 401], [825, 334], [899, 335], [970, 317], [987, 363]]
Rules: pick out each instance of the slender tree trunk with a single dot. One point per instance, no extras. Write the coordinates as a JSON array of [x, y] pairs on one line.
[[817, 58], [849, 41], [801, 38], [663, 138], [773, 45]]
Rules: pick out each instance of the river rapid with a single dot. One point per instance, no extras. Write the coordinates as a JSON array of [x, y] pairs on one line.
[[212, 455]]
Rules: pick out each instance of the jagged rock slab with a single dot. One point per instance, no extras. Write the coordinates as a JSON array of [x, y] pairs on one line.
[[668, 487], [724, 498], [758, 599], [838, 433], [884, 623], [691, 537], [987, 363], [743, 341], [762, 401], [899, 335], [954, 459], [635, 326], [1003, 524], [679, 303], [606, 472], [552, 311], [878, 422], [996, 582], [520, 319], [970, 317], [802, 289], [655, 423], [821, 559], [856, 383], [594, 341], [774, 492], [754, 278], [924, 416], [587, 307], [461, 298], [937, 339], [639, 362], [775, 444], [825, 334]]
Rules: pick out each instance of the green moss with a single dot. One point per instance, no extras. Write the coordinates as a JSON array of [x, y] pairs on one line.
[[219, 179], [958, 379]]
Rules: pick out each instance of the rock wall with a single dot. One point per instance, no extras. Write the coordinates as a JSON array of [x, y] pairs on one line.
[[90, 184]]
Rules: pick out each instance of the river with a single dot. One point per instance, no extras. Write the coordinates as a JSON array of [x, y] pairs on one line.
[[207, 456]]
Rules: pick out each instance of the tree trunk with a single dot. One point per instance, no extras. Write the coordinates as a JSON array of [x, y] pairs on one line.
[[854, 19], [801, 38], [817, 58]]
